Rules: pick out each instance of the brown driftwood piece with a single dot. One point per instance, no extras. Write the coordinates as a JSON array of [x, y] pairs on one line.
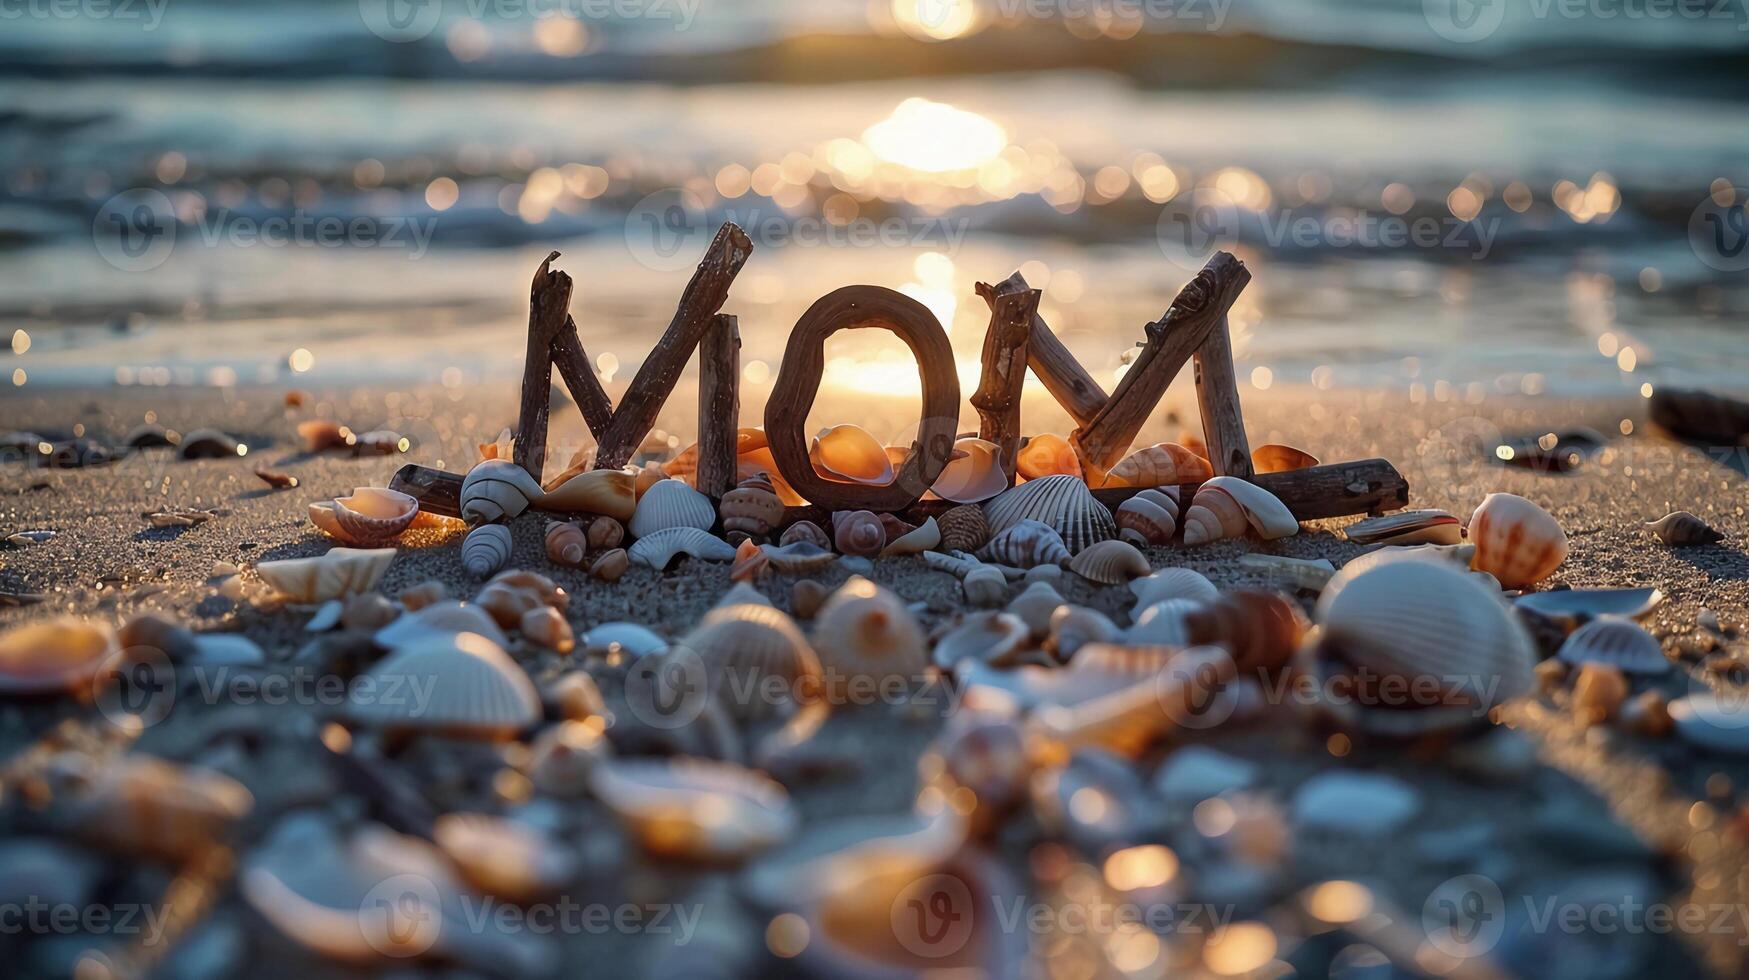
[[548, 303], [1004, 358], [573, 364], [1217, 397], [1062, 375], [719, 405], [438, 491], [655, 380], [1194, 314], [798, 382]]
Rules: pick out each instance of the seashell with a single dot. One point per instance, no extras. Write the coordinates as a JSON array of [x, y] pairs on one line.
[[867, 632], [993, 638], [156, 632], [799, 558], [959, 564], [369, 611], [806, 597], [849, 454], [497, 490], [1109, 563], [462, 684], [1516, 541], [1135, 716], [1275, 458], [1073, 627], [751, 562], [502, 447], [276, 479], [695, 809], [445, 617], [1026, 544], [671, 504], [54, 657], [1711, 720], [964, 528], [563, 756], [486, 549], [325, 515], [610, 493], [1173, 583], [548, 627], [741, 593], [741, 647], [983, 752], [210, 444], [1122, 662], [985, 586], [1261, 630], [1407, 527], [339, 573], [1598, 693], [924, 537], [1620, 643], [603, 533], [644, 479], [807, 532], [566, 543], [24, 539], [1680, 529], [1225, 507], [373, 515], [1047, 455], [137, 805], [1307, 574], [1574, 606], [659, 550], [1149, 518], [1164, 623], [858, 532], [150, 436], [610, 564], [1062, 503], [1166, 464], [417, 597], [511, 860], [326, 617], [627, 640], [1036, 605], [753, 507]]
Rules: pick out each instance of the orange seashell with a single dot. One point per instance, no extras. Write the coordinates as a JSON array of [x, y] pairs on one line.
[[758, 461], [751, 562], [53, 657], [499, 448], [1517, 542], [1047, 455], [973, 473], [548, 627], [1166, 464], [319, 435], [849, 454], [417, 597], [1274, 458], [1193, 442], [1260, 629]]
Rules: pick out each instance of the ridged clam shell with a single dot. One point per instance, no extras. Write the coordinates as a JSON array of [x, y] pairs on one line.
[[1109, 563], [462, 684], [497, 490], [753, 507], [612, 493], [964, 528], [1210, 514], [1173, 583], [445, 617], [340, 573], [984, 586], [1036, 605], [566, 543], [1026, 544], [864, 631], [670, 504], [1620, 643], [1407, 527], [849, 454], [1073, 627], [1166, 464], [924, 537], [1680, 529], [807, 532], [1276, 458], [1045, 455], [373, 515], [695, 809], [1062, 503], [858, 532], [741, 646], [486, 549], [1516, 541], [659, 550], [61, 655], [1148, 518], [974, 477], [993, 638], [799, 557], [1164, 623]]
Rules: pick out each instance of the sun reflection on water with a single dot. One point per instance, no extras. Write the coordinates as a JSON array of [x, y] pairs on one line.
[[934, 137]]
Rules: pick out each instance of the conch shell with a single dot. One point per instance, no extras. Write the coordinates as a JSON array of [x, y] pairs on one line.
[[340, 573], [497, 490], [373, 515], [486, 549], [1047, 455], [1166, 464], [609, 492], [849, 454], [1517, 542], [1149, 518], [1225, 507], [972, 474]]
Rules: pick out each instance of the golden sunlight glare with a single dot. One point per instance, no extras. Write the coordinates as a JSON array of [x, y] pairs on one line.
[[935, 137]]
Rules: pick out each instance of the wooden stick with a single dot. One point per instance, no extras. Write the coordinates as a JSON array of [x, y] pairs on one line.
[[1062, 375], [655, 380], [1200, 305], [548, 302], [573, 363], [719, 405], [1217, 396], [1004, 357]]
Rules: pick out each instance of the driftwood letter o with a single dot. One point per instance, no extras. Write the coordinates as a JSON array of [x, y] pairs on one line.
[[798, 381]]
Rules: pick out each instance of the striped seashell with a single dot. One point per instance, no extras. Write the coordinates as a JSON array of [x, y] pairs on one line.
[[1516, 541], [752, 508], [445, 617], [805, 531], [740, 647], [1073, 627], [1276, 458], [373, 515], [974, 475], [610, 493], [1165, 623], [1680, 529], [659, 550], [695, 809], [964, 528], [1226, 507], [865, 631], [958, 563], [922, 538], [985, 586], [1173, 583], [515, 861], [993, 638], [799, 558], [751, 561], [604, 533], [486, 549], [566, 543], [858, 532], [54, 657], [1062, 503], [1163, 465], [497, 490], [670, 504], [340, 573], [1036, 605], [1026, 544], [547, 626], [1620, 643], [849, 454], [140, 806], [1407, 527], [1308, 574], [1109, 563], [1149, 518], [1261, 630], [1047, 455], [609, 565], [462, 684]]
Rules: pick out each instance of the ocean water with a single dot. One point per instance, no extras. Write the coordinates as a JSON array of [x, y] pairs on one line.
[[1462, 199]]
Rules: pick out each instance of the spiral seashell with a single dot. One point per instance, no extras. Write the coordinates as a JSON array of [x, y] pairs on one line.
[[740, 647], [659, 550], [566, 543], [695, 809], [1407, 527], [1026, 544], [610, 493], [1173, 583], [486, 549], [805, 531], [866, 632], [923, 537], [335, 575], [1620, 643], [547, 626], [603, 533], [373, 515], [1149, 518], [848, 454], [1225, 507], [1073, 627], [462, 684], [752, 508], [858, 532], [1047, 455], [609, 565], [751, 561], [1516, 541], [1109, 563], [1261, 630], [1166, 464], [964, 528], [992, 638], [671, 504], [1274, 458], [138, 806], [1036, 606], [985, 586], [1062, 503], [54, 657], [1680, 529], [497, 490]]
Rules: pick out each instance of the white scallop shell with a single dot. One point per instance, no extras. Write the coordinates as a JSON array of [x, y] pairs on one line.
[[865, 631], [916, 541], [445, 617], [1162, 624], [1621, 643], [1264, 511], [486, 549], [497, 490], [993, 638], [741, 647], [461, 684], [1173, 583], [1109, 563], [659, 550], [1062, 503], [340, 573], [670, 503], [695, 808]]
